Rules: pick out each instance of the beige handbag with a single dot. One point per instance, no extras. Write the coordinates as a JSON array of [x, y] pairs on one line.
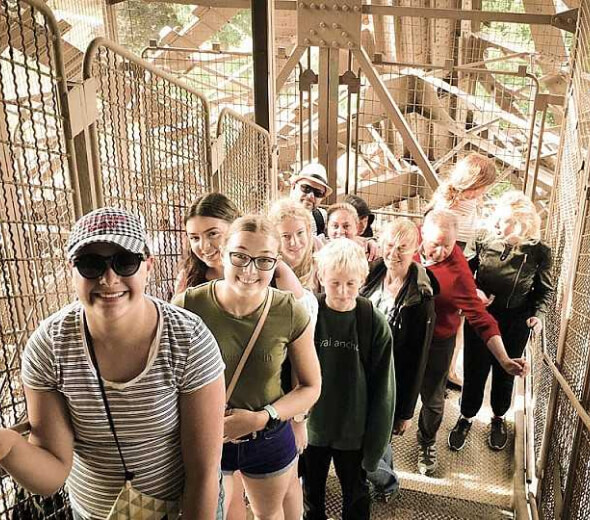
[[131, 504]]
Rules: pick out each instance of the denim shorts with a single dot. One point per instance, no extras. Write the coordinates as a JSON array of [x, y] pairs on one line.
[[270, 454]]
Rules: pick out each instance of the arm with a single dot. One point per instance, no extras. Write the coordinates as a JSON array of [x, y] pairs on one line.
[[409, 375], [287, 281], [201, 431], [380, 394], [543, 283], [42, 464], [514, 366]]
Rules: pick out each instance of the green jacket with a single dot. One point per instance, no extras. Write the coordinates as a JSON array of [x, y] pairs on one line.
[[356, 407]]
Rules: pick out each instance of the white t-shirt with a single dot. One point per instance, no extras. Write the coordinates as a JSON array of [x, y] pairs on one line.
[[183, 357]]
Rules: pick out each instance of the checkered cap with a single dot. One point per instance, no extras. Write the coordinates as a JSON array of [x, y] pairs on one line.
[[111, 225]]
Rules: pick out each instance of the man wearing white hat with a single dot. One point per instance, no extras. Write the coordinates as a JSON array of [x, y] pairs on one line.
[[309, 187]]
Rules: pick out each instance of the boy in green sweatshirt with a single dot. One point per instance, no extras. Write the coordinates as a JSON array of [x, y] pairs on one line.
[[351, 422]]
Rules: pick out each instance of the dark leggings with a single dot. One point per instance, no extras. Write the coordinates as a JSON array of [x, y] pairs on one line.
[[478, 360]]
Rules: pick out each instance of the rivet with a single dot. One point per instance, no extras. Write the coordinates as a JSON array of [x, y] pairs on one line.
[[344, 34], [322, 6], [335, 26], [322, 42], [345, 8], [323, 25], [350, 44], [307, 41], [312, 6], [302, 5], [357, 8], [312, 32], [570, 21], [335, 7], [334, 43]]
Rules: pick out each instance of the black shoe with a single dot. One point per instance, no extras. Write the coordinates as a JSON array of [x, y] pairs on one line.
[[385, 496], [458, 434], [498, 436]]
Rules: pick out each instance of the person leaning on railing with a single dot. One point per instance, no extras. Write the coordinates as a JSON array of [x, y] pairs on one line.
[[162, 377]]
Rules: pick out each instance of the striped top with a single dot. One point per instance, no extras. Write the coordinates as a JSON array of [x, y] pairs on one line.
[[183, 357], [466, 212]]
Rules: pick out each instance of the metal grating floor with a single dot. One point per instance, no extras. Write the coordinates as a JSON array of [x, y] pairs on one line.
[[475, 483]]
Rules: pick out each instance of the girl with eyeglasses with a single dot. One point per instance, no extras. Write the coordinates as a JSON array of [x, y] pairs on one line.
[[258, 436], [159, 368]]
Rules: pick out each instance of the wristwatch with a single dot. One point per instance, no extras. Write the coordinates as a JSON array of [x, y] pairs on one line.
[[274, 417]]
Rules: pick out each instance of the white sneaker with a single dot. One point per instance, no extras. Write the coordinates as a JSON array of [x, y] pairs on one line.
[[427, 462]]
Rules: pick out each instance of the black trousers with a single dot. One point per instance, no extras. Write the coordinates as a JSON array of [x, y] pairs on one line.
[[356, 503], [478, 360], [432, 391]]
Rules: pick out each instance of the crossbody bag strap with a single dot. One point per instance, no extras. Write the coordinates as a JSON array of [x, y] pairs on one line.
[[249, 347], [128, 474]]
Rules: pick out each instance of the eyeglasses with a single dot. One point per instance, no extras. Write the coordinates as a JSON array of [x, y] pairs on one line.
[[94, 266], [317, 193], [262, 263]]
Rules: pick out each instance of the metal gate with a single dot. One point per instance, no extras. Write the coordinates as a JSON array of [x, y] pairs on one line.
[[38, 201], [150, 148]]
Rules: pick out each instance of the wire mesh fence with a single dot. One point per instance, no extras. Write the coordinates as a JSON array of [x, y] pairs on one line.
[[244, 156], [151, 140], [562, 492], [36, 205]]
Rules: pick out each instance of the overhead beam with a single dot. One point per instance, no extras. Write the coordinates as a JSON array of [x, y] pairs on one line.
[[560, 19]]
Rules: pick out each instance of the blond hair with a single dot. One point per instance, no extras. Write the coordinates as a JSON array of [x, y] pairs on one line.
[[253, 224], [342, 254], [471, 173], [284, 209], [343, 206], [398, 229], [523, 214]]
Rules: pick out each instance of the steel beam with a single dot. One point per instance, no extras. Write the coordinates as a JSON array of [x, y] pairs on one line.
[[564, 20], [397, 117]]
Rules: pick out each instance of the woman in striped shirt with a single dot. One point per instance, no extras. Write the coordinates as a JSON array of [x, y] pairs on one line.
[[162, 374]]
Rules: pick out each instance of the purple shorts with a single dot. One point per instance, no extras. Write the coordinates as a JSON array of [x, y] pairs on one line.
[[270, 454]]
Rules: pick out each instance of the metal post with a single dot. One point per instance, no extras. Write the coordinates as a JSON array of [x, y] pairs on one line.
[[260, 14]]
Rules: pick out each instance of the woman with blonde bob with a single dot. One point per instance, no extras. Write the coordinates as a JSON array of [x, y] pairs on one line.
[[258, 436], [404, 291], [513, 273]]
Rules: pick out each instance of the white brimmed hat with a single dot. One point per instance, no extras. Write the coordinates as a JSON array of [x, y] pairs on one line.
[[314, 172], [110, 225]]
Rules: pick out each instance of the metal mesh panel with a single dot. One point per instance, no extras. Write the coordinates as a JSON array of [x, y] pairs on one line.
[[245, 154], [152, 144], [36, 202], [555, 479], [80, 23], [580, 507], [223, 77]]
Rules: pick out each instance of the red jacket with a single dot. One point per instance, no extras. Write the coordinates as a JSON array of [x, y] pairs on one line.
[[457, 292]]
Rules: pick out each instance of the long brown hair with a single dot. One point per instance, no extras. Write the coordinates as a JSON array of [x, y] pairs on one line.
[[213, 205], [471, 173]]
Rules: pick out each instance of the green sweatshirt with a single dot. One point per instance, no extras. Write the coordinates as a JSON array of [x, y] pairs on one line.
[[356, 407]]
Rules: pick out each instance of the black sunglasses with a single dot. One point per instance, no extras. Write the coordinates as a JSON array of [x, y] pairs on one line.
[[317, 193], [262, 263], [94, 266]]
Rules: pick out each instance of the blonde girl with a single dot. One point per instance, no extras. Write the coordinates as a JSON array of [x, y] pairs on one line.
[[258, 436], [294, 225], [513, 273]]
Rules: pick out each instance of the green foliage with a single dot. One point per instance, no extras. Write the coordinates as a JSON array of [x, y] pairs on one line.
[[233, 34], [138, 22]]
